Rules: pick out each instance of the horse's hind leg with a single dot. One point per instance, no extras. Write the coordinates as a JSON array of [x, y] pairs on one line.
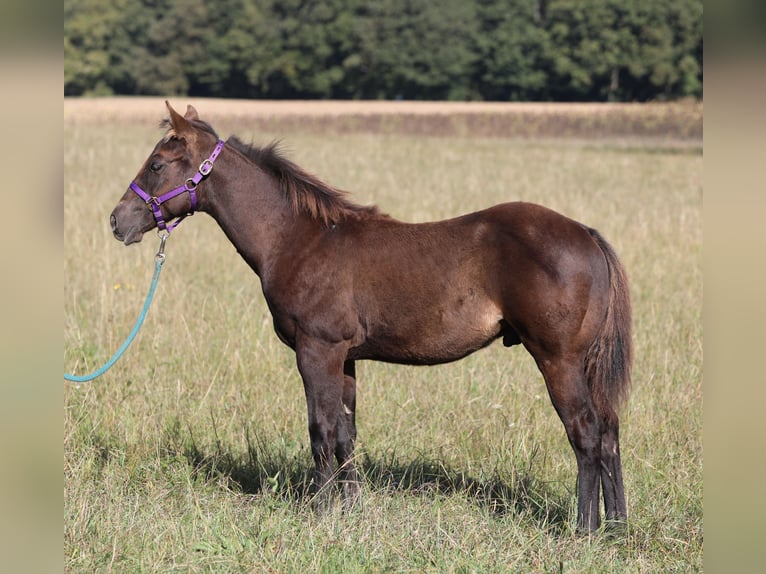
[[346, 438], [611, 470], [571, 398]]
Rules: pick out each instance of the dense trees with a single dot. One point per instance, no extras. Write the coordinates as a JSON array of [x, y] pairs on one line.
[[414, 49]]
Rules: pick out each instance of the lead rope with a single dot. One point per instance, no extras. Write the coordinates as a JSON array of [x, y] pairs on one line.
[[159, 259]]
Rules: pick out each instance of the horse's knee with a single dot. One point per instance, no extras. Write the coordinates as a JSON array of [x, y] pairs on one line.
[[345, 437], [323, 441], [610, 441], [584, 432], [349, 395], [610, 445]]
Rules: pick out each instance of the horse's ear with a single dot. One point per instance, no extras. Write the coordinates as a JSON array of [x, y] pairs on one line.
[[177, 122], [191, 113]]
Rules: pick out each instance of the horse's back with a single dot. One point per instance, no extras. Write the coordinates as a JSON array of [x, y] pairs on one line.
[[435, 292]]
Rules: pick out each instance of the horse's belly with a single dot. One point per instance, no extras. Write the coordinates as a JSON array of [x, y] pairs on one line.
[[434, 334]]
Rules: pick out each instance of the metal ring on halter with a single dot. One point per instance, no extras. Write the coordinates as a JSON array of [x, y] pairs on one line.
[[192, 186]]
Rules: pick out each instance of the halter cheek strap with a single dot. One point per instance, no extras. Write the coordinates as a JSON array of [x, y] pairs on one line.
[[190, 185]]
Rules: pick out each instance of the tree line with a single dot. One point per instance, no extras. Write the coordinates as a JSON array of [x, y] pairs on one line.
[[503, 50]]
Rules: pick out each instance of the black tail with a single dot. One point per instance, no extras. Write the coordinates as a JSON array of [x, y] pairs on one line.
[[609, 358]]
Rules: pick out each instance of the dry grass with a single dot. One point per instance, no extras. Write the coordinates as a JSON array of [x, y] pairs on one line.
[[678, 123], [192, 453], [134, 108]]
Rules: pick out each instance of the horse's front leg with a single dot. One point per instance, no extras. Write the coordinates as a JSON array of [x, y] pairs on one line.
[[321, 366], [346, 438]]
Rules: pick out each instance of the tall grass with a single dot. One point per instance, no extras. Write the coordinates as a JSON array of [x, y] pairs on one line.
[[192, 453]]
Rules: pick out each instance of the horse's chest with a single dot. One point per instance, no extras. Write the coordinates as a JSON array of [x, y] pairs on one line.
[[325, 318]]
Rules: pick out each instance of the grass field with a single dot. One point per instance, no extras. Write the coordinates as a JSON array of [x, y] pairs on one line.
[[192, 455]]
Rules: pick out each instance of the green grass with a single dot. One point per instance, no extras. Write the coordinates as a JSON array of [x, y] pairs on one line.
[[192, 454]]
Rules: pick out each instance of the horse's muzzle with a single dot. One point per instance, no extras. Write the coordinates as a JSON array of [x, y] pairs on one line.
[[133, 234]]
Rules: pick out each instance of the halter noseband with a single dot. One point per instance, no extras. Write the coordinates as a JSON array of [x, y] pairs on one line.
[[189, 185]]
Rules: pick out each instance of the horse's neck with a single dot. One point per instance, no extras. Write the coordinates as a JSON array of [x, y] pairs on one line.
[[252, 212]]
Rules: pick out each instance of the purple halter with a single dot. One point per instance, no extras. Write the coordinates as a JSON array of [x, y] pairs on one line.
[[189, 185]]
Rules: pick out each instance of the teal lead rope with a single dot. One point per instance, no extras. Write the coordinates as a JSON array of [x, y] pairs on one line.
[[159, 259]]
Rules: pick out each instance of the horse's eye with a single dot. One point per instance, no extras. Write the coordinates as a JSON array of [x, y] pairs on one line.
[[156, 166]]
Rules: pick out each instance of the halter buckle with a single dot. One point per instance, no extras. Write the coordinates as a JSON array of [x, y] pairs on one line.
[[205, 167], [151, 200]]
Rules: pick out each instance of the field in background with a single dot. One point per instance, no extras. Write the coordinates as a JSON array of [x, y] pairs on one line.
[[192, 453], [675, 124]]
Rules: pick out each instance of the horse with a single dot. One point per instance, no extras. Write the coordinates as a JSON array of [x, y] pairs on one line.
[[346, 282]]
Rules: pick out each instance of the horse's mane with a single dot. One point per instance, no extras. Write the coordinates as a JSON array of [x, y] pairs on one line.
[[306, 193]]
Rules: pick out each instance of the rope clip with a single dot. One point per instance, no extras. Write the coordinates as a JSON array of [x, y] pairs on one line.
[[160, 256]]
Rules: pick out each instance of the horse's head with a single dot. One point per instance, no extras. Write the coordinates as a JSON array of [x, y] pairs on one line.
[[165, 188]]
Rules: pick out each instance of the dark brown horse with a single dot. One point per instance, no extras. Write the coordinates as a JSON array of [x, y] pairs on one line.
[[345, 283]]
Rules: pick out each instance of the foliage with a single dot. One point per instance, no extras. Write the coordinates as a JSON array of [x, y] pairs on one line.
[[623, 50], [626, 50]]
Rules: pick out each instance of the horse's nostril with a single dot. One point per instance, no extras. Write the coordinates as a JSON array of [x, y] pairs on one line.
[[113, 221]]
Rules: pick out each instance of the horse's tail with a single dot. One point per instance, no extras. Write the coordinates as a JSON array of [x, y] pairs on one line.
[[608, 360]]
